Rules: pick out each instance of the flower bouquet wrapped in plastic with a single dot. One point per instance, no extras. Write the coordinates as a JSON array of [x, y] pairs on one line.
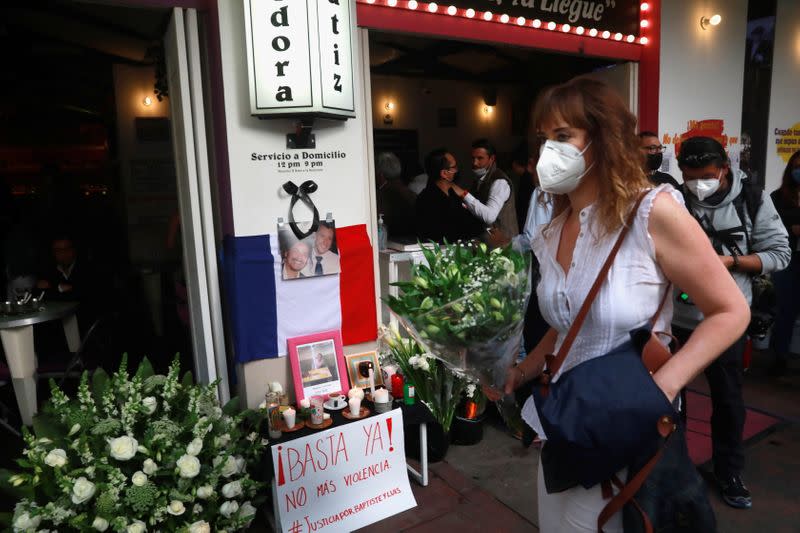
[[467, 308]]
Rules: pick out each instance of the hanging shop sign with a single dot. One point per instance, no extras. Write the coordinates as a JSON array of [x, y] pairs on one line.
[[300, 57], [594, 18], [343, 478]]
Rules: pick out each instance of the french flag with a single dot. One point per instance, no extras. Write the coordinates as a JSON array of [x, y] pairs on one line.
[[266, 310]]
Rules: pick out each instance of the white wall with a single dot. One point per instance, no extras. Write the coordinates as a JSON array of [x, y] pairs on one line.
[[417, 102], [344, 184], [784, 105], [702, 71]]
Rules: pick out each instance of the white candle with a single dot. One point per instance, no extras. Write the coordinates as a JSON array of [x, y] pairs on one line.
[[355, 392], [305, 403], [372, 381], [289, 417], [355, 406], [326, 416], [381, 396]]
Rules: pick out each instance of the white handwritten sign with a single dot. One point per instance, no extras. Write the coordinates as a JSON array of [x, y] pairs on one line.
[[343, 478]]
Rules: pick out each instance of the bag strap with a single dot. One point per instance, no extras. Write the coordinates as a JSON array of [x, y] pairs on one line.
[[555, 362]]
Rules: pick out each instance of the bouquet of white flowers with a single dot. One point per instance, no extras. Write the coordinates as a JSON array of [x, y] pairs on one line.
[[466, 307], [147, 452]]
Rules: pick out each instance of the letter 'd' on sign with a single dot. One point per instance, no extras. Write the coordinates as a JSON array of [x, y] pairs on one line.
[[300, 57]]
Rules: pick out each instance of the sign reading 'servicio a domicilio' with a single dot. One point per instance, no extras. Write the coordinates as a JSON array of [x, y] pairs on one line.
[[300, 57]]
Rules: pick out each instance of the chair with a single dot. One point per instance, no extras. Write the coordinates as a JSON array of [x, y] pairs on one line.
[[5, 379], [96, 339]]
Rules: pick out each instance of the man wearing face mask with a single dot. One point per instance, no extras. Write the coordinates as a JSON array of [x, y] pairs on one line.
[[492, 201], [654, 154], [747, 233]]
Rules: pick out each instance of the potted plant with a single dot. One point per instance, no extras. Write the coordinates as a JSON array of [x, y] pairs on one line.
[[138, 453], [435, 386], [467, 428]]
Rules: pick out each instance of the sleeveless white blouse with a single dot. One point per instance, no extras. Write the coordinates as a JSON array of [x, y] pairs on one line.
[[626, 301]]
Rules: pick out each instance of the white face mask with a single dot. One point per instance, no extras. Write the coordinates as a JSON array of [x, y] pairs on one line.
[[702, 188], [561, 167], [480, 172]]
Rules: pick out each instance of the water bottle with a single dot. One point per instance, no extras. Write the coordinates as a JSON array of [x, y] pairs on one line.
[[382, 237]]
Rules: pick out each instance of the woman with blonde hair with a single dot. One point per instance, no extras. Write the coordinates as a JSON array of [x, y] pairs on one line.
[[589, 161]]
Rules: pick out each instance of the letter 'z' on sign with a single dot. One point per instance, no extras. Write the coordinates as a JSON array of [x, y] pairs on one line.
[[300, 57]]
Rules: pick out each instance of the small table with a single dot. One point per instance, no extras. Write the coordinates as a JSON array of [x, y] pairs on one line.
[[16, 333]]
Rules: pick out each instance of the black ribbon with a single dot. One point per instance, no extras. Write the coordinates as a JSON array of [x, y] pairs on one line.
[[301, 193]]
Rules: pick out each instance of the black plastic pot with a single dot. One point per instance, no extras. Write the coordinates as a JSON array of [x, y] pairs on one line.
[[467, 431]]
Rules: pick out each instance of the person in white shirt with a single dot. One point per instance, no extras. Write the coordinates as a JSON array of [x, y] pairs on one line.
[[323, 260], [493, 200]]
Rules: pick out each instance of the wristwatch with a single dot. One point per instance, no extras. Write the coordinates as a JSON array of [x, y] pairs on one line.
[[735, 262]]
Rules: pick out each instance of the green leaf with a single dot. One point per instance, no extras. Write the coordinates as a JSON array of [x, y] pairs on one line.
[[46, 426], [100, 382], [232, 407], [188, 380], [145, 369]]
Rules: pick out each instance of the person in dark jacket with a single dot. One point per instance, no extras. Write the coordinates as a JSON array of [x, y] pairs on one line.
[[653, 151], [441, 215], [787, 282]]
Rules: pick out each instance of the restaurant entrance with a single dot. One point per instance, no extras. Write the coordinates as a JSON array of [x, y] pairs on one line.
[[103, 149]]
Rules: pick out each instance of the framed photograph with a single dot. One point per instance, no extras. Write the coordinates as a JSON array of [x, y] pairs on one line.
[[318, 365], [316, 255], [358, 366]]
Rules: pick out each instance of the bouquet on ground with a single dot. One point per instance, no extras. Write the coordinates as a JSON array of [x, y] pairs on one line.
[[466, 307], [435, 385], [142, 453]]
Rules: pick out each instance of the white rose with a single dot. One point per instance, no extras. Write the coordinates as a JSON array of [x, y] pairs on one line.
[[150, 404], [200, 527], [56, 458], [139, 479], [100, 524], [197, 509], [123, 448], [205, 492], [176, 508], [241, 464], [232, 489], [276, 387], [424, 365], [74, 429], [229, 468], [24, 522], [228, 508], [82, 490], [263, 405], [247, 511], [137, 527], [194, 447], [222, 440], [188, 465], [149, 467]]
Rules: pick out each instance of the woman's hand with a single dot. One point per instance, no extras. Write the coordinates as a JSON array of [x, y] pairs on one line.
[[514, 378]]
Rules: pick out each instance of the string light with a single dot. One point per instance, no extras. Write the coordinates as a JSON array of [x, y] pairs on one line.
[[520, 21], [645, 23], [432, 7], [391, 3], [617, 36], [536, 23], [644, 40], [593, 33], [579, 30], [645, 6], [606, 34], [551, 26], [487, 15], [412, 4], [565, 28], [470, 13], [452, 10], [630, 38], [504, 18]]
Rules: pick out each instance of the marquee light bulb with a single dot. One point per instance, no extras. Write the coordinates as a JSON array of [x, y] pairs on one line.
[[551, 25], [565, 28], [412, 4], [432, 7], [370, 1], [504, 18], [645, 6], [452, 10], [630, 38], [521, 21], [537, 23], [470, 13], [391, 3], [645, 23], [606, 34], [487, 15], [593, 33], [644, 40], [579, 30], [617, 36]]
